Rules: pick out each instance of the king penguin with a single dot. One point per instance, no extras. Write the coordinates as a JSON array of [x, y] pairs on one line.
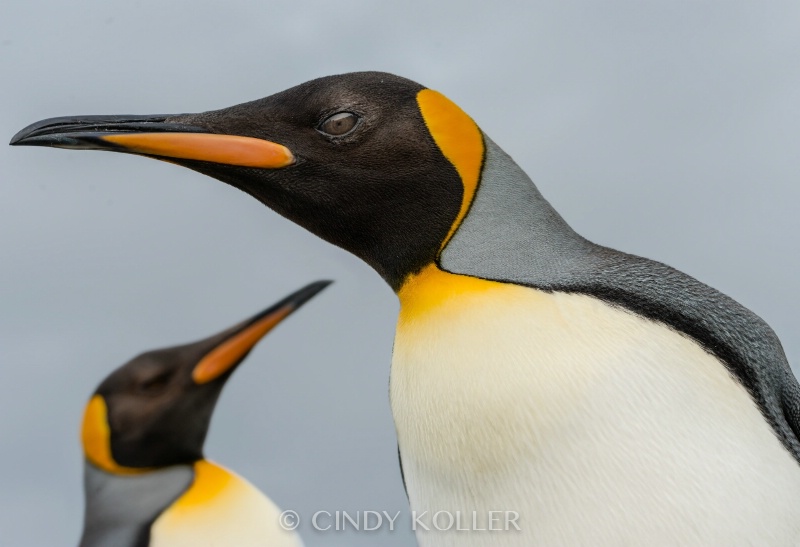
[[146, 481], [546, 389]]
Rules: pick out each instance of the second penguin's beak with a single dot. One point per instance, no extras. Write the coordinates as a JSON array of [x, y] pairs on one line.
[[234, 344]]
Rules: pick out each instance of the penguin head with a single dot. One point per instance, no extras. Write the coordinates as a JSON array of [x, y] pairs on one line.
[[371, 162], [154, 411]]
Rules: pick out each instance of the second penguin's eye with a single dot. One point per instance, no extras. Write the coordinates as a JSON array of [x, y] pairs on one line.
[[339, 124], [155, 384]]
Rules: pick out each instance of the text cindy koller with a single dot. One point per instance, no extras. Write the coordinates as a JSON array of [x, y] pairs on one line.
[[423, 521]]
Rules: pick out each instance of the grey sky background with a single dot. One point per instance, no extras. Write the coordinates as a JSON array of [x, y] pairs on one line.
[[666, 129]]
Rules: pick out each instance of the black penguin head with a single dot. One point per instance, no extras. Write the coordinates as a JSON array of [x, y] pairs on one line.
[[155, 410], [369, 161]]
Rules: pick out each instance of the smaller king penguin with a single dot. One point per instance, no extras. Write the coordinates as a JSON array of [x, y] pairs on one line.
[[146, 481]]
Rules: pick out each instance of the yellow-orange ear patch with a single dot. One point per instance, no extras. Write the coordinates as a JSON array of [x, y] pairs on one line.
[[459, 139], [96, 439]]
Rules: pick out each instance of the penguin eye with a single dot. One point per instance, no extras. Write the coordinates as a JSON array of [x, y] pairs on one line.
[[339, 124], [154, 384]]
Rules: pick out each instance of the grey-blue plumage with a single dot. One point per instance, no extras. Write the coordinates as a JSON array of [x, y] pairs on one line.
[[121, 508]]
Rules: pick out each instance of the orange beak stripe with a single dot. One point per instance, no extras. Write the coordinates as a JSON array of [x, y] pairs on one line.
[[220, 359], [226, 149]]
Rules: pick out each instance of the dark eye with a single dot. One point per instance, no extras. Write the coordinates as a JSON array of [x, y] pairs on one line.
[[339, 124], [154, 384]]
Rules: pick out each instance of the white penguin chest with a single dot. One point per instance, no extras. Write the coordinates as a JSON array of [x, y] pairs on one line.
[[221, 509], [593, 425]]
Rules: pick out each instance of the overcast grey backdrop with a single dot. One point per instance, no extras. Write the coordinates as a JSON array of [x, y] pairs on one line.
[[666, 129]]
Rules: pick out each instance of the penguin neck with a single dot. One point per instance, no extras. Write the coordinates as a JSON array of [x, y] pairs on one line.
[[119, 509], [510, 224]]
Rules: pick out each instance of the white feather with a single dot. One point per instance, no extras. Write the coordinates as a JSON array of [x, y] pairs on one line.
[[596, 426]]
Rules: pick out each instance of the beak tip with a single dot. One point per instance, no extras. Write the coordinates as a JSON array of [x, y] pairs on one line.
[[17, 139], [301, 296], [308, 292], [22, 136], [314, 288]]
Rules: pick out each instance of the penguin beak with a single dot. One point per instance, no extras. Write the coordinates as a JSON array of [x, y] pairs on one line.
[[236, 343], [154, 136]]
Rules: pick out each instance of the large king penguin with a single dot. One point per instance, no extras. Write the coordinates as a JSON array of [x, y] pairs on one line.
[[605, 399], [146, 481]]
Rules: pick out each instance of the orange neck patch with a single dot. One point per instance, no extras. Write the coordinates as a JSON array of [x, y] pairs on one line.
[[96, 439], [432, 287], [209, 481], [461, 142]]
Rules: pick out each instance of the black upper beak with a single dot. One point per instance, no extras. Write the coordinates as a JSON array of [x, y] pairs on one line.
[[84, 132], [296, 299]]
